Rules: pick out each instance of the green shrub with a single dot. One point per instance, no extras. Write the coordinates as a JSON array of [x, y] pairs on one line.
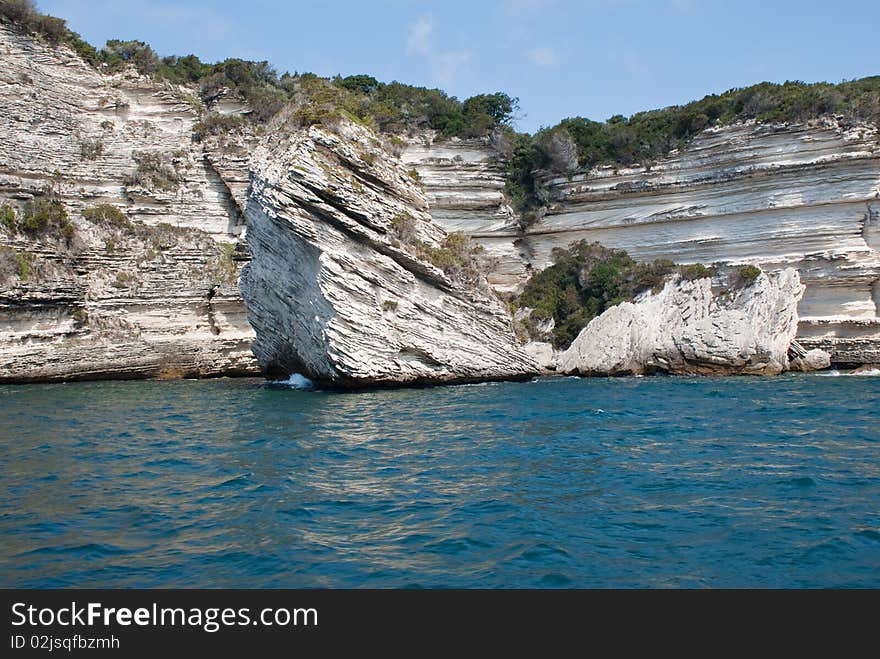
[[747, 275], [403, 227], [44, 216], [108, 215], [20, 12], [141, 55], [221, 267], [124, 279], [648, 136], [585, 280], [91, 149], [456, 257], [216, 124], [389, 305], [414, 175], [694, 271], [154, 170], [16, 264], [7, 218]]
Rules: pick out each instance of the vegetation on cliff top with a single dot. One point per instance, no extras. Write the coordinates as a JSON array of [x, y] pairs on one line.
[[578, 143], [585, 280], [393, 107], [574, 143]]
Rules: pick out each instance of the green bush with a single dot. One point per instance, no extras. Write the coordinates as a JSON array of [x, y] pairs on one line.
[[694, 271], [141, 55], [403, 227], [648, 136], [14, 263], [91, 149], [52, 28], [585, 280], [155, 170], [747, 275], [46, 216], [221, 267], [7, 218], [108, 215], [216, 124], [456, 257], [20, 12]]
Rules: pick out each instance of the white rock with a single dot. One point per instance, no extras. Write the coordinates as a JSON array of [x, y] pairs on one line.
[[815, 360], [170, 317], [333, 294], [543, 353], [686, 329]]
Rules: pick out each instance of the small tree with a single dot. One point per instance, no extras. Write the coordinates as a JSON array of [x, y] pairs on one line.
[[138, 53]]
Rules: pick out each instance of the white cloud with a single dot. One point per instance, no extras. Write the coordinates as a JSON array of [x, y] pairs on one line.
[[524, 6], [418, 42], [543, 56], [446, 65]]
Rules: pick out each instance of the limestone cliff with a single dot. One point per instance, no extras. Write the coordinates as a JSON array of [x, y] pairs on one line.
[[464, 185], [687, 329], [804, 196], [154, 296], [351, 283]]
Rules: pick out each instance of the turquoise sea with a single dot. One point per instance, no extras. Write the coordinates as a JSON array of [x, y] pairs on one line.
[[559, 482]]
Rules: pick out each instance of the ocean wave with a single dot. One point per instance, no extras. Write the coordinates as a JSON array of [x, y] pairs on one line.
[[874, 372]]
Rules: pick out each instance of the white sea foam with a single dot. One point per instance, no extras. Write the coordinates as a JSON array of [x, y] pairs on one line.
[[296, 381], [874, 372]]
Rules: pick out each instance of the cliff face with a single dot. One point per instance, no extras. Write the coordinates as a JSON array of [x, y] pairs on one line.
[[687, 329], [346, 284], [799, 196], [140, 301], [157, 296], [464, 185]]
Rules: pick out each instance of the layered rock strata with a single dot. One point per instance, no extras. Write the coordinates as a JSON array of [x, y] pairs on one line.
[[802, 196], [76, 136], [464, 184], [341, 287]]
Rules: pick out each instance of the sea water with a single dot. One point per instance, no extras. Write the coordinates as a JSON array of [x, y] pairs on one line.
[[559, 482]]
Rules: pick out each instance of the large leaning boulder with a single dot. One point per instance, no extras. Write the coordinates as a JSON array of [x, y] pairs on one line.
[[351, 283], [687, 329]]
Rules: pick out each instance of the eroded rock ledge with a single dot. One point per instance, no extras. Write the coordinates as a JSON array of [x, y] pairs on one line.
[[335, 293]]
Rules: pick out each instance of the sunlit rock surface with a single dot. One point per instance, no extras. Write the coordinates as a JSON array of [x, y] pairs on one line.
[[802, 196], [334, 294], [688, 329], [73, 132]]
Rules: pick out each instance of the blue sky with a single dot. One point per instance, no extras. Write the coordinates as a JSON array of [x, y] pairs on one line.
[[593, 58]]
